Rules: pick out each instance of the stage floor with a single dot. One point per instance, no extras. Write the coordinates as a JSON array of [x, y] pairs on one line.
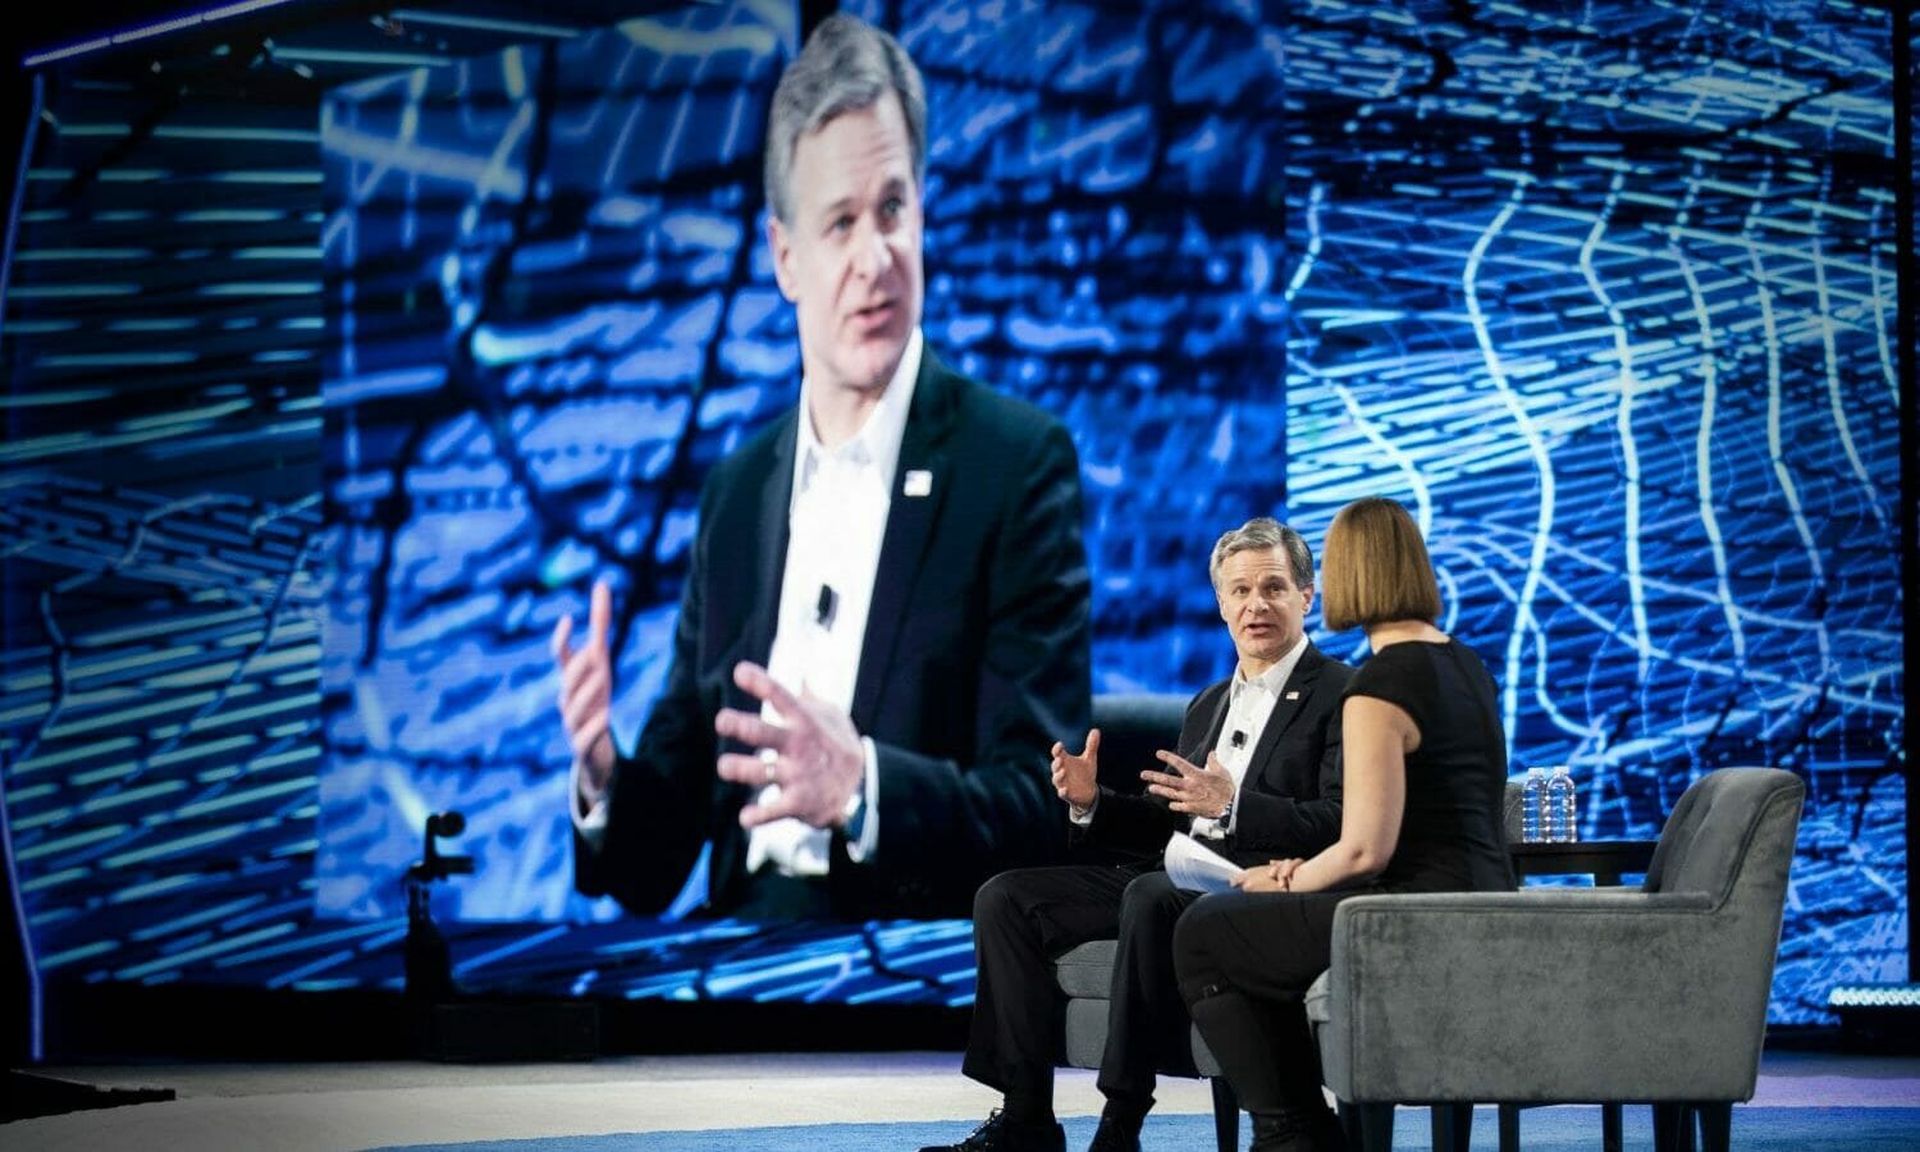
[[301, 1107]]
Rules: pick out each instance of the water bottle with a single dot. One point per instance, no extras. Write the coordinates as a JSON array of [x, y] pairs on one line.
[[1533, 797], [1560, 806]]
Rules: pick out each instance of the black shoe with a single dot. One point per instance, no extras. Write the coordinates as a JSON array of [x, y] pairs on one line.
[[1297, 1131], [1000, 1134], [1279, 1132], [1327, 1132], [1115, 1134]]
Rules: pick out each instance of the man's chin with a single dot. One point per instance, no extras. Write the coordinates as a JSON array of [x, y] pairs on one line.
[[873, 366]]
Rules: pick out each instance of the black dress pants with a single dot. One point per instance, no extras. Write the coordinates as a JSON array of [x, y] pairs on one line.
[[1022, 921], [1245, 961]]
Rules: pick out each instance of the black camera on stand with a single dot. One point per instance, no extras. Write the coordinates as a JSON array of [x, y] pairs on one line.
[[460, 1027], [429, 962]]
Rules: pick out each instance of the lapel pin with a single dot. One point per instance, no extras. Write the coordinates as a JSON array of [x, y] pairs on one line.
[[919, 483], [1294, 695]]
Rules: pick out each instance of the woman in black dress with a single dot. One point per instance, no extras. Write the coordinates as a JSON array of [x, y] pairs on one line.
[[1425, 768]]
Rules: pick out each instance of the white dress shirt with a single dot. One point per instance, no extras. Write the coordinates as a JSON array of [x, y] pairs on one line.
[[837, 520], [1249, 706]]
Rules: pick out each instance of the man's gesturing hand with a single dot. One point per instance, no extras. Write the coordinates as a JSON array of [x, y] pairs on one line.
[[1193, 790], [815, 756], [586, 688], [1076, 779]]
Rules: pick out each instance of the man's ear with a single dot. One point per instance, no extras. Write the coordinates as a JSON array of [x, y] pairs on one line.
[[781, 245]]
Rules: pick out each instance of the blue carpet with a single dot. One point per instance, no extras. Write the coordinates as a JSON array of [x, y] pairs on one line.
[[1754, 1130]]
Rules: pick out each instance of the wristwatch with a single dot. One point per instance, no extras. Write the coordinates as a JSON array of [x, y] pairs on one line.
[[854, 816], [1226, 814]]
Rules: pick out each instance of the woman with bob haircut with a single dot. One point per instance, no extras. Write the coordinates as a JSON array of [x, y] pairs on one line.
[[1425, 768]]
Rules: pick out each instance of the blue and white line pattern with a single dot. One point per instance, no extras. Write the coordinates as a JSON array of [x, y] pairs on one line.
[[1618, 327]]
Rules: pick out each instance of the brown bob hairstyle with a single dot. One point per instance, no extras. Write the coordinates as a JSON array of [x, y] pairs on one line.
[[1374, 568]]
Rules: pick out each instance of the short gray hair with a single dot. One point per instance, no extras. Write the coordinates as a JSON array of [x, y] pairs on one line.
[[1266, 534], [847, 65]]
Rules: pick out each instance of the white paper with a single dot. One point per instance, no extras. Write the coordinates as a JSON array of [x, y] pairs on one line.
[[1197, 868]]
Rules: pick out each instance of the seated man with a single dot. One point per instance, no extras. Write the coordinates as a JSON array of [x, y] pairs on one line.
[[1270, 787]]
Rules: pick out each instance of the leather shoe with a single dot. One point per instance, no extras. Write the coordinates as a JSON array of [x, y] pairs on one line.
[[1297, 1131], [1000, 1134], [1115, 1135]]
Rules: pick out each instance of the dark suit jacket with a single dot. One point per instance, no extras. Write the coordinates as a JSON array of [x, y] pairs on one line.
[[974, 662], [1289, 803]]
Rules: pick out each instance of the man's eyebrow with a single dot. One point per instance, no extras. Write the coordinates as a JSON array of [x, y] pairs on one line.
[[894, 186]]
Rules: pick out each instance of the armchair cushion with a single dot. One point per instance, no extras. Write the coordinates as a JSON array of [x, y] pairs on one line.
[[1087, 970], [1085, 974]]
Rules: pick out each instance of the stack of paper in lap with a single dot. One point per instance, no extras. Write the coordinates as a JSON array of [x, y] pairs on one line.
[[1194, 866]]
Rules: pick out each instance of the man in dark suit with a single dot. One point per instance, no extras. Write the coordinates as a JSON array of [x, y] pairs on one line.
[[884, 623], [1256, 777]]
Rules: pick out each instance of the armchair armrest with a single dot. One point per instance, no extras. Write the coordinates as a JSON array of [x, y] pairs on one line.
[[1541, 996]]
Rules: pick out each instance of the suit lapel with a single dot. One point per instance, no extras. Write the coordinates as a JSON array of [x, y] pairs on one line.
[[770, 545], [764, 568], [1215, 726], [1294, 695], [910, 520]]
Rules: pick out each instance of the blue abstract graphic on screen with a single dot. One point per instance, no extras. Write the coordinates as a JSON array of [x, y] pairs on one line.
[[1603, 292], [1606, 295]]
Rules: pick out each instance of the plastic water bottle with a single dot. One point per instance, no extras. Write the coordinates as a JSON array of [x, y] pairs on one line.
[[1560, 806], [1533, 797]]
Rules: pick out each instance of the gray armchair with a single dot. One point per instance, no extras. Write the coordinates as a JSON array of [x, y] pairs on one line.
[[1131, 729], [1573, 995]]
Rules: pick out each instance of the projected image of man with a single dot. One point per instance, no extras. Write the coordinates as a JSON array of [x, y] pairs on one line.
[[884, 623]]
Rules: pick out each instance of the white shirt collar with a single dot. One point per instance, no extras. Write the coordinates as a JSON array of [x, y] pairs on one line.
[[878, 439], [1274, 678]]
